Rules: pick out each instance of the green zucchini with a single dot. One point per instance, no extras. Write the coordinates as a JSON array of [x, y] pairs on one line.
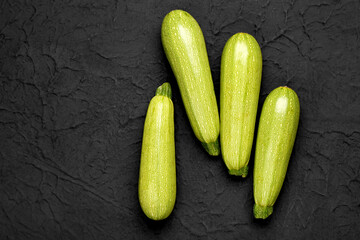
[[157, 178], [276, 136], [185, 49], [240, 79]]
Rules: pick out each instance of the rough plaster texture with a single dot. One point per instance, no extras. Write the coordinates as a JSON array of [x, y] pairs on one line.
[[76, 78]]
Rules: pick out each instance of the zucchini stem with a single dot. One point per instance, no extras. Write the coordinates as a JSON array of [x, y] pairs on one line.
[[241, 172], [164, 90], [262, 212], [212, 148]]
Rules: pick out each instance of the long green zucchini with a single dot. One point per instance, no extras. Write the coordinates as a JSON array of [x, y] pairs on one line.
[[276, 135], [240, 79], [185, 49], [157, 178]]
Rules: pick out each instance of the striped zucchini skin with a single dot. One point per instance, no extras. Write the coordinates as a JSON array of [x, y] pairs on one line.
[[185, 49], [276, 136], [157, 178], [240, 79]]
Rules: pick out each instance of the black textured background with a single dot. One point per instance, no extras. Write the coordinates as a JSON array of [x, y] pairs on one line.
[[76, 78]]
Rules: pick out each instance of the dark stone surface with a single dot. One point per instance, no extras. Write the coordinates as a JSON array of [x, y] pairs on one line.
[[76, 78]]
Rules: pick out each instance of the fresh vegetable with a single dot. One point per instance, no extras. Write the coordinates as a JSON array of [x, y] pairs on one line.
[[185, 49], [240, 79], [157, 180], [276, 135]]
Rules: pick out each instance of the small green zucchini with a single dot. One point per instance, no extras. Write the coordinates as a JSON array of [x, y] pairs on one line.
[[276, 136], [157, 178], [240, 79], [185, 49]]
